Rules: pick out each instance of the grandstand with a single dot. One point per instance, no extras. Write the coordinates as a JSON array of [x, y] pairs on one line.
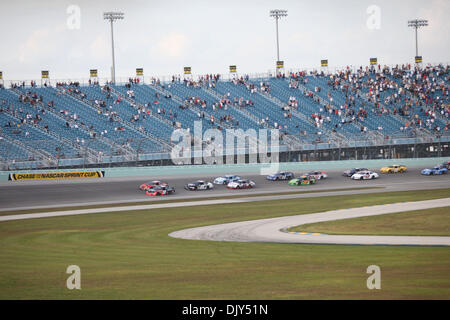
[[370, 112]]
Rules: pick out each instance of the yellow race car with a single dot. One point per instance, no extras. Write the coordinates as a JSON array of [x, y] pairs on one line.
[[393, 169]]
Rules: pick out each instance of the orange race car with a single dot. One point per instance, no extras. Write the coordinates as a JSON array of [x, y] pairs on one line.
[[151, 184], [160, 191]]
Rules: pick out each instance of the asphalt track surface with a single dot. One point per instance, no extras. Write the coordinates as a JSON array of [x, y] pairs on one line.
[[275, 230], [15, 195], [20, 195]]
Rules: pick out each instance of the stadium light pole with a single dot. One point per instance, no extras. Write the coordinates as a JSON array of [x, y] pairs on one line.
[[416, 24], [277, 14], [113, 16]]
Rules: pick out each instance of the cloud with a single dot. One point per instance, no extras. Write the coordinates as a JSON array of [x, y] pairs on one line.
[[99, 48], [172, 45], [437, 14], [37, 45]]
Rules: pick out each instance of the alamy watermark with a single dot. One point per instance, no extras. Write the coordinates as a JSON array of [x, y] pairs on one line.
[[235, 145], [74, 19], [374, 20], [374, 281], [74, 280]]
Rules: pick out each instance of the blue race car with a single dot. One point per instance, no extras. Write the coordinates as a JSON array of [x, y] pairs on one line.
[[226, 179], [281, 176], [435, 170]]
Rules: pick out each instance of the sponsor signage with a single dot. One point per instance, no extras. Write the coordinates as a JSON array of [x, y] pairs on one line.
[[56, 175]]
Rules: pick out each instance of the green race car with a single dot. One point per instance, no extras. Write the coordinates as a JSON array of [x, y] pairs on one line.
[[303, 180]]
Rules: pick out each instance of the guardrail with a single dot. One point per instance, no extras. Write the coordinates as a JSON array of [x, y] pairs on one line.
[[107, 158], [202, 170]]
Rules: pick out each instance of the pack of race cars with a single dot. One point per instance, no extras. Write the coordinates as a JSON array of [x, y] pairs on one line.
[[156, 188], [159, 188], [437, 170]]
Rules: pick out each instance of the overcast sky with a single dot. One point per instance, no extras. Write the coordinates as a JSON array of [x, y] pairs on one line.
[[165, 36]]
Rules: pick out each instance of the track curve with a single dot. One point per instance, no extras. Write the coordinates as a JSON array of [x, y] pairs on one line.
[[271, 230]]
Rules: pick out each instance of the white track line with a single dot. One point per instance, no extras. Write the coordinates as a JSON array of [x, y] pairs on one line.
[[270, 230], [114, 209], [174, 204]]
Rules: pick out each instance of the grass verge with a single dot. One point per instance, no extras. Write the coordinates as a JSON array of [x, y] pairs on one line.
[[158, 201], [430, 222], [129, 255]]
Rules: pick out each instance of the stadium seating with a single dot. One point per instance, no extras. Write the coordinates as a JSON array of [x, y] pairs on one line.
[[70, 121]]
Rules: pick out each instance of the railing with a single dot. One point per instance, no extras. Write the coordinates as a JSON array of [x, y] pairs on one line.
[[131, 101], [44, 153], [40, 156], [110, 159], [291, 141], [92, 153], [180, 101], [237, 108], [226, 75], [129, 152]]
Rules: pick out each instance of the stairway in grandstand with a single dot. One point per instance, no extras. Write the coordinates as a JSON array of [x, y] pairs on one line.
[[124, 121]]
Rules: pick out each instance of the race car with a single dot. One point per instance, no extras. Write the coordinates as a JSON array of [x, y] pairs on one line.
[[349, 173], [393, 169], [303, 180], [151, 184], [435, 170], [199, 185], [160, 191], [446, 164], [226, 179], [365, 175], [280, 176], [241, 184], [317, 174]]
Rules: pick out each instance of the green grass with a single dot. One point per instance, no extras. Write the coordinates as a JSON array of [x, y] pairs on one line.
[[129, 255], [157, 201], [430, 222]]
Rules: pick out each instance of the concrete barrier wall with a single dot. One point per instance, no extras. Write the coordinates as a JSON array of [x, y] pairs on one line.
[[296, 167]]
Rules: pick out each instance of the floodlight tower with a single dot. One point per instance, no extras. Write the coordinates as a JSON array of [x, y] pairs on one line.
[[416, 24], [113, 16], [277, 14]]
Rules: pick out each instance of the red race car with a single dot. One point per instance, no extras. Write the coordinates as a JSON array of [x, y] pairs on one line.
[[151, 184], [160, 191]]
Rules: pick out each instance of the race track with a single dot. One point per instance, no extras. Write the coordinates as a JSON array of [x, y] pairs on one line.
[[274, 230], [58, 193], [16, 195]]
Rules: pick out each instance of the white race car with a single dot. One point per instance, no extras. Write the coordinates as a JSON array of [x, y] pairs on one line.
[[226, 179], [317, 174], [199, 185], [241, 184], [365, 175]]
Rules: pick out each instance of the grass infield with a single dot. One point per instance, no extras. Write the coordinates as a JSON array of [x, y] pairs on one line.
[[158, 201], [430, 222], [129, 255]]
